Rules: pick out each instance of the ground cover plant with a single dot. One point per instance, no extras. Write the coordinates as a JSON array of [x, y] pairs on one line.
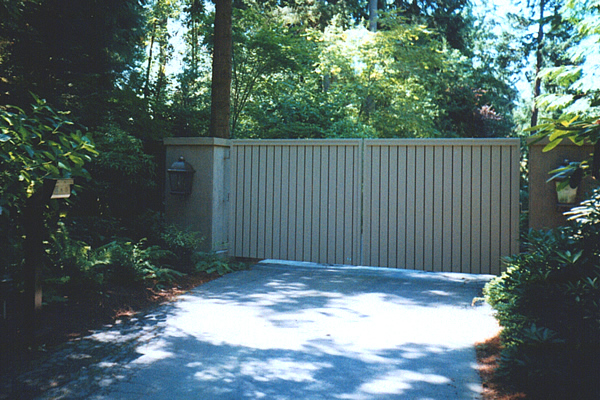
[[548, 303]]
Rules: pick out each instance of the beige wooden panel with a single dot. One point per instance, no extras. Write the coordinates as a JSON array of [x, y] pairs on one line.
[[447, 205], [279, 204]]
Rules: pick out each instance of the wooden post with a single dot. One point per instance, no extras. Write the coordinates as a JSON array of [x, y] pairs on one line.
[[33, 221]]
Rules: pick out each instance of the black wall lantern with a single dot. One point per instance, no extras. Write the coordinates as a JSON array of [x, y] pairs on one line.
[[180, 177]]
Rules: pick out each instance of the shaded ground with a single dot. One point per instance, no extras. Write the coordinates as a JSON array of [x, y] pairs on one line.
[[310, 333], [78, 316], [494, 388]]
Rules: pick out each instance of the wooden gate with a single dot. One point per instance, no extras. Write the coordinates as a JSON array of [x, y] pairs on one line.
[[434, 204]]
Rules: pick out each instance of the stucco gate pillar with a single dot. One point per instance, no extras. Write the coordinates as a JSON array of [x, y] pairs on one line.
[[544, 211], [206, 209]]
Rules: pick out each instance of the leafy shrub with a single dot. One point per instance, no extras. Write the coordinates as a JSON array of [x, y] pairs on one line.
[[78, 266], [548, 302], [123, 184], [213, 262], [131, 262], [185, 245], [35, 145], [74, 263]]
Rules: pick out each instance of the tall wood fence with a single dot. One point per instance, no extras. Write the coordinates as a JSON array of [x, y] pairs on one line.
[[434, 204]]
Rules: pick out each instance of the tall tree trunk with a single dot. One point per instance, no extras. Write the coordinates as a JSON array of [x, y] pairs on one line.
[[220, 109], [373, 15], [149, 68], [161, 80], [537, 87], [369, 104]]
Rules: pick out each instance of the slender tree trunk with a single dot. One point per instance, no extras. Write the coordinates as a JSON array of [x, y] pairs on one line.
[[149, 68], [161, 80], [373, 15], [369, 104], [220, 110], [537, 87]]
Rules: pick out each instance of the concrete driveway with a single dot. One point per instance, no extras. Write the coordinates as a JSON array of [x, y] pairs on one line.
[[292, 331]]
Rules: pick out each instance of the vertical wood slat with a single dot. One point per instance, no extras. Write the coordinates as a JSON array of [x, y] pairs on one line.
[[467, 245], [514, 199], [261, 162], [401, 245], [349, 205], [392, 213], [235, 200], [505, 197], [447, 210], [324, 214], [495, 209], [269, 207], [308, 205], [384, 203], [246, 210], [277, 201], [438, 206], [457, 208], [374, 223], [316, 209], [411, 193], [486, 199], [476, 200], [303, 201], [428, 209], [366, 207], [332, 223], [419, 207], [358, 209]]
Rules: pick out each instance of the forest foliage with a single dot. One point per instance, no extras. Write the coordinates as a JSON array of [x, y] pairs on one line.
[[114, 78]]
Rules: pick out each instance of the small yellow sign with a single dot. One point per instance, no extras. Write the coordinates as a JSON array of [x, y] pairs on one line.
[[62, 189]]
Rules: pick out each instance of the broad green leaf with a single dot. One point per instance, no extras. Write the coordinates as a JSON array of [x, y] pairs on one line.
[[551, 145]]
